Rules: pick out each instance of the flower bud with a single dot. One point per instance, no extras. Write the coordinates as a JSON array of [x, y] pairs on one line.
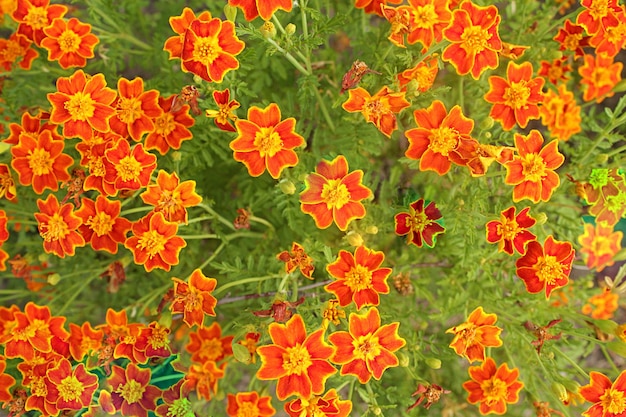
[[354, 239], [176, 156], [403, 360], [487, 123], [560, 390], [371, 230], [268, 30], [620, 332], [541, 218], [53, 279], [433, 363], [230, 12], [290, 29], [287, 187], [602, 158], [377, 411]]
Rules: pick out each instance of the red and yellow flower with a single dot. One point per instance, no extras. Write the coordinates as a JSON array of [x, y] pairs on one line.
[[474, 39], [126, 168], [515, 99], [265, 141], [194, 299], [171, 197], [545, 267], [510, 232], [367, 349], [207, 344], [556, 71], [131, 392], [135, 109], [31, 126], [249, 404], [334, 195], [102, 227], [571, 38], [225, 115], [6, 382], [428, 20], [180, 24], [203, 378], [70, 389], [421, 77], [7, 184], [600, 74], [598, 15], [560, 113], [17, 47], [298, 361], [475, 334], [33, 16], [70, 42], [4, 236], [602, 306], [327, 405], [379, 109], [531, 171], [493, 388], [419, 224], [83, 340], [175, 402], [58, 226], [171, 128], [600, 244], [264, 8], [374, 6], [607, 397], [297, 258]]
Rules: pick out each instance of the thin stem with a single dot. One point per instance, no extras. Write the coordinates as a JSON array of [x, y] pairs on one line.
[[210, 259], [605, 352], [166, 378], [216, 215], [571, 361], [198, 237], [135, 210], [228, 285], [289, 57], [256, 219]]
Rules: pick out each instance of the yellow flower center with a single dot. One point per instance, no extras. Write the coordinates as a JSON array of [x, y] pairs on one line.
[[70, 388], [417, 222], [101, 224], [152, 242], [268, 142], [425, 16], [69, 41], [212, 349], [80, 106], [180, 408], [474, 39], [56, 229], [296, 360], [335, 194], [12, 51], [555, 72], [132, 391], [40, 162], [129, 109], [533, 167], [38, 387], [443, 140], [613, 401], [549, 269], [374, 109], [37, 17], [248, 409], [359, 278], [129, 168], [158, 339], [366, 347], [96, 167], [206, 50], [572, 41], [601, 76], [516, 96], [598, 9], [165, 124], [494, 390], [508, 228]]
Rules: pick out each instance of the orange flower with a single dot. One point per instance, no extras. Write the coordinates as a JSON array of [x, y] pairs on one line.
[[70, 389], [225, 113], [327, 405], [154, 242], [299, 362], [374, 6], [400, 20], [126, 168], [210, 48], [7, 184], [555, 71], [428, 19], [171, 197], [58, 227], [264, 8], [4, 236], [493, 387], [207, 344], [359, 277], [121, 338], [175, 402], [438, 137], [612, 38], [194, 298], [601, 244], [32, 127], [40, 161], [379, 109], [333, 195], [101, 225], [545, 267], [6, 382], [419, 224], [367, 349], [84, 339], [515, 99], [510, 232], [600, 75], [266, 142], [203, 378], [474, 39], [82, 104], [131, 392], [598, 15], [474, 335], [607, 397], [602, 306], [571, 38], [560, 113], [180, 24], [71, 42], [34, 16], [14, 48], [532, 170], [297, 258], [249, 404], [171, 128], [92, 156], [422, 75], [135, 109]]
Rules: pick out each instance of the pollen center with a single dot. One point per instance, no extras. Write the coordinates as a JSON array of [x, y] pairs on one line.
[[474, 39], [508, 229], [40, 162], [366, 347], [335, 194], [152, 242], [132, 391], [572, 41], [516, 96], [206, 50], [129, 109], [267, 141], [128, 168], [443, 140], [613, 401], [359, 278], [101, 224], [164, 125], [70, 388], [598, 9], [417, 221], [37, 18], [374, 110], [69, 41], [212, 349], [549, 269], [296, 360], [533, 167], [56, 229], [494, 390], [80, 106], [248, 409], [425, 16]]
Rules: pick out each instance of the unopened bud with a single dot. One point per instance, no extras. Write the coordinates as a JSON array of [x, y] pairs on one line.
[[487, 123], [53, 279], [371, 230], [287, 187], [560, 390], [433, 363], [403, 360], [290, 29], [230, 12], [541, 218], [377, 411], [620, 332], [602, 158], [268, 30], [354, 239], [176, 156]]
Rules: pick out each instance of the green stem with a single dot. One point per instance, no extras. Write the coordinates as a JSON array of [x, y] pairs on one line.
[[75, 294], [605, 352], [135, 210], [616, 151], [572, 362], [210, 259], [198, 237], [216, 215], [289, 57], [228, 285], [264, 222]]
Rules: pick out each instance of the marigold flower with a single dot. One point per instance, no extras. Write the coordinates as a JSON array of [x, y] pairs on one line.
[[102, 225], [333, 195], [613, 38], [438, 137], [180, 24], [171, 197], [606, 192], [555, 71], [58, 227], [607, 397], [34, 16], [131, 392], [374, 6], [400, 20], [81, 105], [31, 126], [249, 404], [327, 405], [531, 171], [600, 74], [545, 267], [297, 258], [419, 224], [332, 314], [209, 49], [171, 128], [135, 109], [602, 306], [16, 48], [359, 277], [154, 242], [194, 298], [264, 8], [207, 344], [70, 389], [560, 113], [203, 378], [431, 393], [493, 388], [355, 74], [126, 168], [224, 115], [515, 99], [71, 42], [428, 20], [40, 161], [475, 334], [84, 339], [379, 109], [598, 15], [299, 362], [474, 39], [510, 232], [422, 75], [511, 51], [6, 382], [600, 243], [367, 349], [175, 402], [4, 236], [572, 38], [265, 141], [7, 184]]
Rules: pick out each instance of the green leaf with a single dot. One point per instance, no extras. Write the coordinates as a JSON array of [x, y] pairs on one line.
[[241, 353]]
